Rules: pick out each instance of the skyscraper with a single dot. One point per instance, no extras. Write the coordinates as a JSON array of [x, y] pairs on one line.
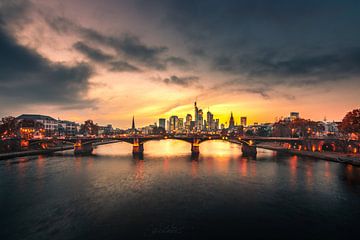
[[181, 124], [162, 122], [196, 115], [231, 122], [200, 120], [188, 121], [174, 123], [210, 121], [243, 121]]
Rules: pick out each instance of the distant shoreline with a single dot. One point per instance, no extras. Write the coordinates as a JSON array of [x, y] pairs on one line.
[[329, 156], [5, 156]]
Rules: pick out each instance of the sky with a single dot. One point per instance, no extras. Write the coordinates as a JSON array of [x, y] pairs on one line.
[[109, 60]]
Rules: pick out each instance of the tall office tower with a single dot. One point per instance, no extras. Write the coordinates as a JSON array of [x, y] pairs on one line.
[[181, 124], [174, 123], [200, 120], [231, 122], [210, 120], [243, 121], [196, 114], [188, 121], [162, 122], [217, 121]]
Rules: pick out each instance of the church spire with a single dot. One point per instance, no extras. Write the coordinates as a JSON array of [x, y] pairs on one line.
[[133, 123]]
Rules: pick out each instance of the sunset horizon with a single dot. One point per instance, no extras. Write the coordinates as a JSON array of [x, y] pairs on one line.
[[179, 119], [108, 62]]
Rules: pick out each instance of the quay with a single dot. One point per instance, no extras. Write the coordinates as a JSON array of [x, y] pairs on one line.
[[346, 158], [4, 156]]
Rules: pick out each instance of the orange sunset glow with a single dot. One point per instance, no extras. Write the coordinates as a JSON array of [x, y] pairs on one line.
[[132, 61]]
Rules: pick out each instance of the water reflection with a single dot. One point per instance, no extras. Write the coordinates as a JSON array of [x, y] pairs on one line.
[[111, 195], [194, 168]]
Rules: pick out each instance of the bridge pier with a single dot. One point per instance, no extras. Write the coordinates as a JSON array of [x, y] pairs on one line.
[[248, 150], [195, 147], [138, 147], [82, 149]]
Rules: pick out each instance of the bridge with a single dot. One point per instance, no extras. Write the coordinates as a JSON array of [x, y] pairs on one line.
[[84, 145]]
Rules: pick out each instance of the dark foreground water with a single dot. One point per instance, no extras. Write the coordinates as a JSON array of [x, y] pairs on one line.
[[168, 195]]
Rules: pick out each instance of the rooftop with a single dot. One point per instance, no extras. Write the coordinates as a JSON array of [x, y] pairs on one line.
[[35, 117]]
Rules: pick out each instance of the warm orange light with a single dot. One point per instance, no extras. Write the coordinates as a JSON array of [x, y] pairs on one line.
[[313, 148]]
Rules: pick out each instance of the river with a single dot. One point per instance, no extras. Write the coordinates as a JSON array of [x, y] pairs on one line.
[[170, 195]]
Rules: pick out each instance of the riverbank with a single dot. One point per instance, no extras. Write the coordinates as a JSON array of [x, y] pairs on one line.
[[4, 156], [353, 159]]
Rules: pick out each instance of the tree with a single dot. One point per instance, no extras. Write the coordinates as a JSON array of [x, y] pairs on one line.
[[351, 123], [9, 126], [89, 128]]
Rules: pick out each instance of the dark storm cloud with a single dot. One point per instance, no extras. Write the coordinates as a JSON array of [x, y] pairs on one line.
[[122, 66], [108, 60], [92, 53], [311, 69], [261, 91], [27, 77], [177, 61], [14, 11], [296, 42], [181, 81], [126, 45]]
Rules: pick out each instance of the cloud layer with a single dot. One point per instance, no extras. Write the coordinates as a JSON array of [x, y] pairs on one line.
[[26, 77]]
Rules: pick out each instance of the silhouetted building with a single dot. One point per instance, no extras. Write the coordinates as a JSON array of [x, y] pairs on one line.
[[210, 121], [231, 121], [188, 121], [162, 123], [133, 124], [200, 120], [196, 114], [243, 121], [294, 115], [174, 123], [181, 124]]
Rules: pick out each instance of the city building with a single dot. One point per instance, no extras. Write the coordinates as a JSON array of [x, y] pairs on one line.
[[162, 123], [148, 129], [294, 115], [210, 121], [50, 124], [200, 123], [199, 120], [196, 114], [181, 124], [243, 121], [188, 120], [231, 121], [174, 123], [67, 128], [192, 125], [217, 122]]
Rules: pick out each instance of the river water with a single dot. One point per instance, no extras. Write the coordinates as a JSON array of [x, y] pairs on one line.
[[170, 195]]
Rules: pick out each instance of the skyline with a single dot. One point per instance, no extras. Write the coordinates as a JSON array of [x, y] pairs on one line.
[[111, 60]]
